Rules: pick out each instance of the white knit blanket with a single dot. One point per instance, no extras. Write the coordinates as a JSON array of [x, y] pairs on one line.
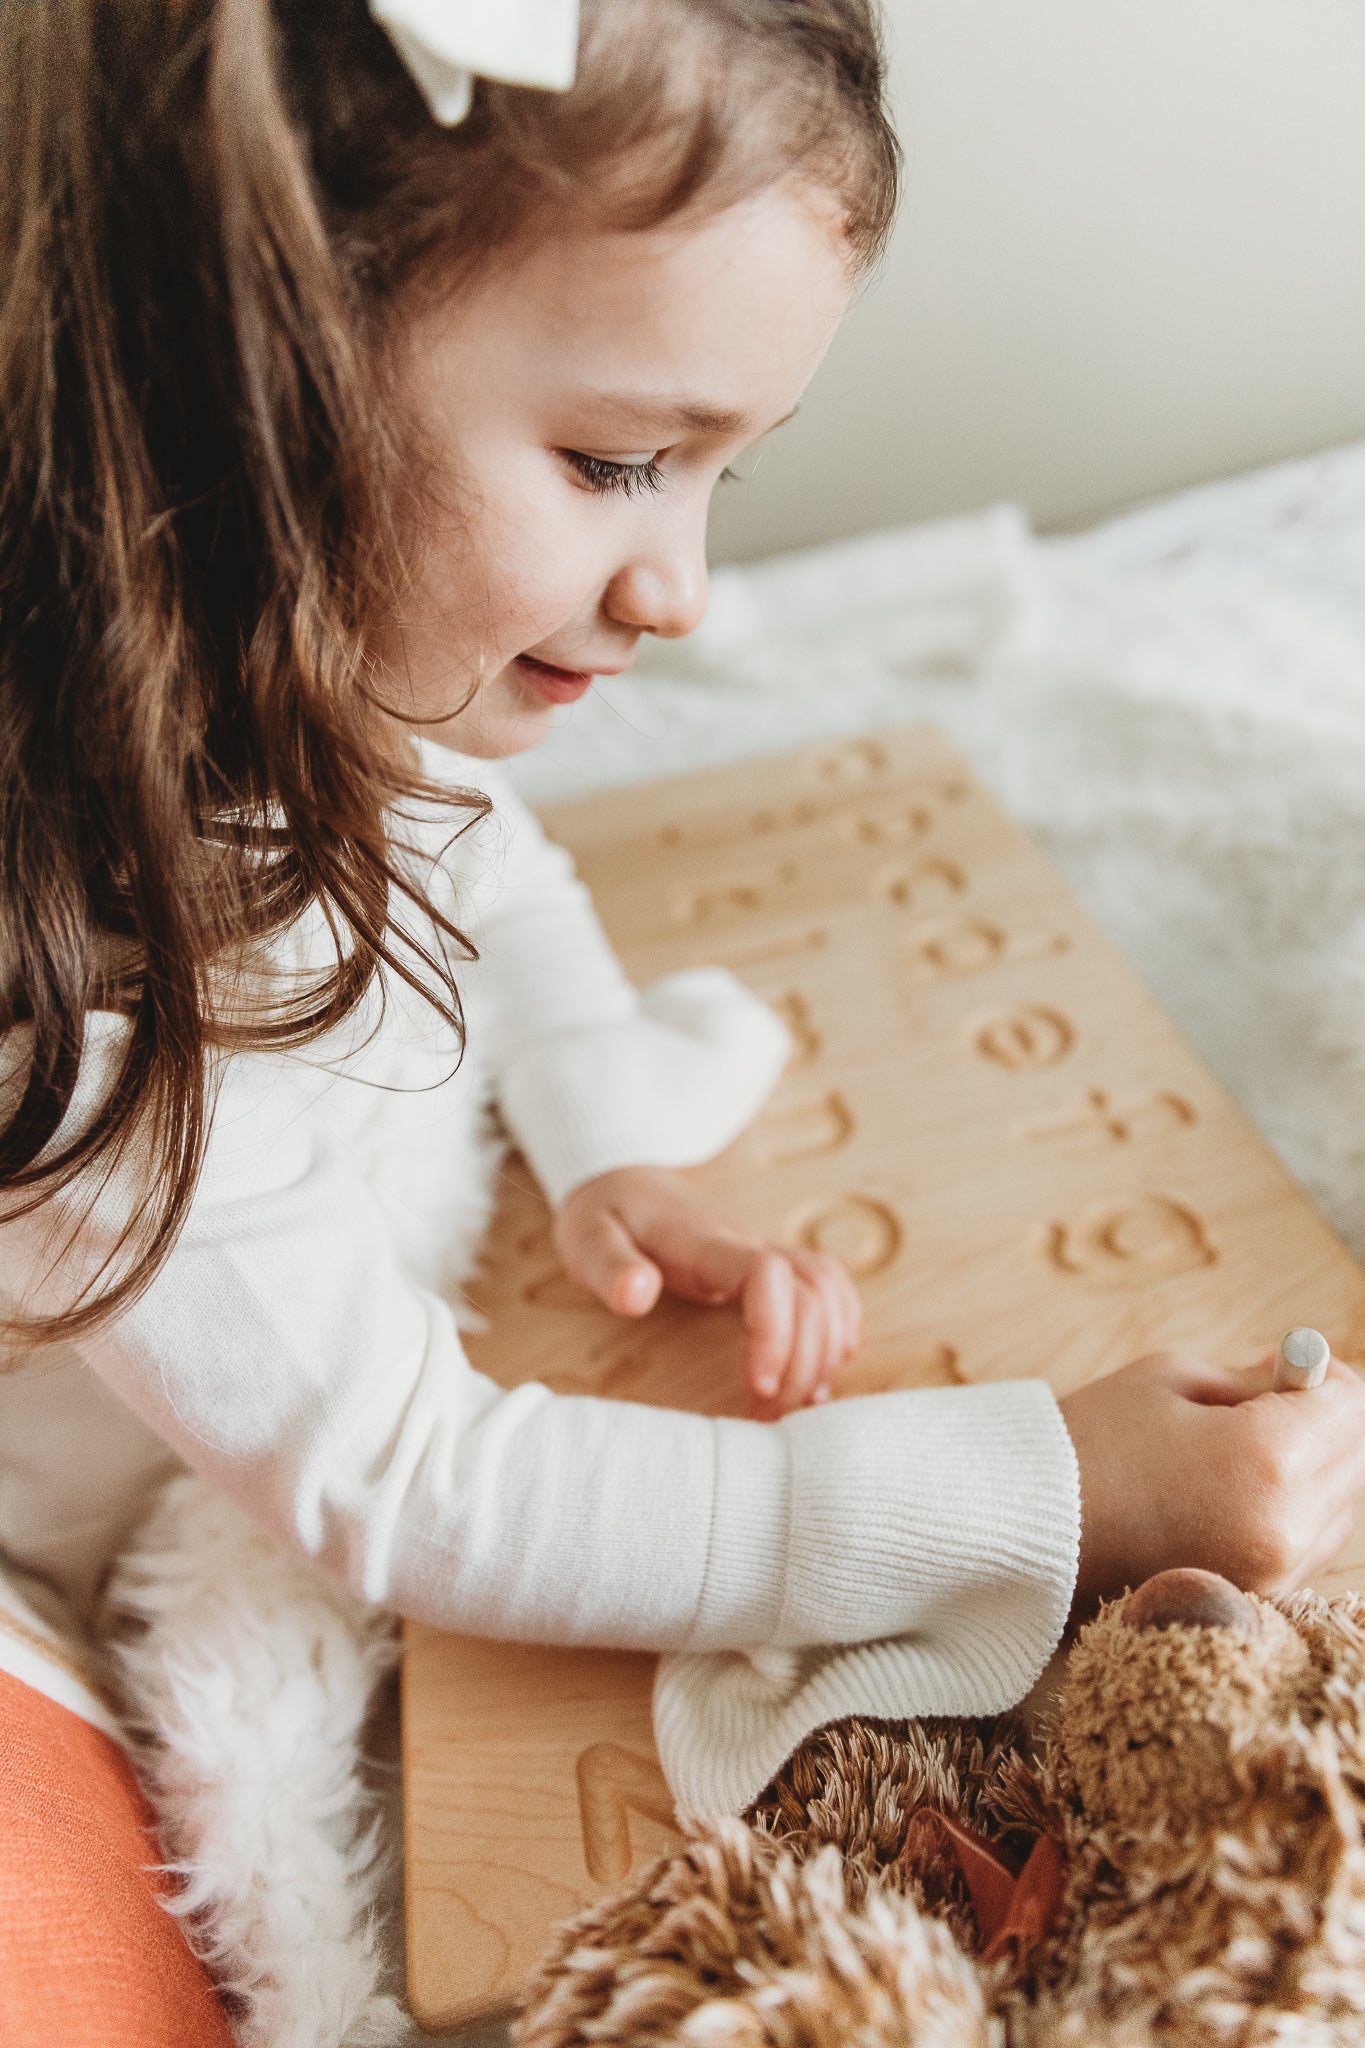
[[1175, 705]]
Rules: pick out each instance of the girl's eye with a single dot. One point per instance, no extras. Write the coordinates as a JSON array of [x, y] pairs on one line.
[[628, 478]]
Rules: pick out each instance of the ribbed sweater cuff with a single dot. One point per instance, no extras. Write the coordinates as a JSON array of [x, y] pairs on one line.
[[934, 1539], [909, 1509], [746, 1573]]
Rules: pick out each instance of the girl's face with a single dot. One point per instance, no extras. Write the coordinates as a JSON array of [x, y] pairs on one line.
[[581, 405]]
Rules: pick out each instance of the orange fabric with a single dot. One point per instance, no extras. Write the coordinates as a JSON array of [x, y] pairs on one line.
[[88, 1955]]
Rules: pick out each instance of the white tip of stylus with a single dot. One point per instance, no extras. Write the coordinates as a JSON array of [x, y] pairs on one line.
[[1303, 1360]]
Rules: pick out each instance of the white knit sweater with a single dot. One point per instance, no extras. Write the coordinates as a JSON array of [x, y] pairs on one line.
[[900, 1554]]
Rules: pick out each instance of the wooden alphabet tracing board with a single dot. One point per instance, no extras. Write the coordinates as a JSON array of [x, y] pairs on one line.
[[986, 1116]]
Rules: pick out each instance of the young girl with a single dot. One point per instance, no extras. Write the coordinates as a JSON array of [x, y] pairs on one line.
[[342, 445]]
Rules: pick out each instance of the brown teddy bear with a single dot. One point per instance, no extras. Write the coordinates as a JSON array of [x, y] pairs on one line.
[[1176, 1858]]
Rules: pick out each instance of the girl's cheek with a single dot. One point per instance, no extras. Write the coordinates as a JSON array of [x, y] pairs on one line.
[[533, 554], [560, 573]]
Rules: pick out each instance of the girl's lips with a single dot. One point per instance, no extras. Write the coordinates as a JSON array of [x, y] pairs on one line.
[[555, 685]]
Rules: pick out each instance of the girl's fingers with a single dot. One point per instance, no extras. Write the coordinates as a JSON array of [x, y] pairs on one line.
[[810, 1344], [1334, 1541], [768, 1311], [1210, 1385], [710, 1266], [1229, 1386], [800, 1309], [853, 1312], [600, 1253], [1328, 1546], [804, 1318], [842, 1310], [1337, 1471], [1320, 1432], [817, 1274]]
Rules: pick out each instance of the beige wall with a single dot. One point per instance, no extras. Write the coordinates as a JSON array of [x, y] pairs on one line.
[[1132, 255]]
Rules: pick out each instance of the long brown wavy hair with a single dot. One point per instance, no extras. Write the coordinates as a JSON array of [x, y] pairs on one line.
[[213, 216]]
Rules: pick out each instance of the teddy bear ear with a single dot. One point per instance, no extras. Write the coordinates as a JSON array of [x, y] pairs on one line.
[[1189, 1599]]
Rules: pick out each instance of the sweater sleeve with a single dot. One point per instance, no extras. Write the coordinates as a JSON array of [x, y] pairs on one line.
[[963, 1506], [589, 1073], [284, 1354]]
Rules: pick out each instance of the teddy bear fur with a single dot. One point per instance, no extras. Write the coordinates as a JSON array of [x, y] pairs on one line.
[[1204, 1785]]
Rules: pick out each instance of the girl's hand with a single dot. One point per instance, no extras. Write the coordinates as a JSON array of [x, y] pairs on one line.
[[1184, 1463], [628, 1235]]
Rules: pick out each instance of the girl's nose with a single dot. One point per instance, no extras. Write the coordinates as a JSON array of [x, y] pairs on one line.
[[663, 592]]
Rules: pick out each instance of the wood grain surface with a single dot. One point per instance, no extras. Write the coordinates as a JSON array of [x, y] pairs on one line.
[[985, 1115]]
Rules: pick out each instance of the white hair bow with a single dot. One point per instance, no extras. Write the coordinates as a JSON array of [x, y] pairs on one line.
[[447, 44]]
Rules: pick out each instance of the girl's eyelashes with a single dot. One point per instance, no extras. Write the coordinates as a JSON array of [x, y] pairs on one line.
[[629, 479]]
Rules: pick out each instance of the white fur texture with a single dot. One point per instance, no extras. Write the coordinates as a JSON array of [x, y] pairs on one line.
[[249, 1678], [1177, 707]]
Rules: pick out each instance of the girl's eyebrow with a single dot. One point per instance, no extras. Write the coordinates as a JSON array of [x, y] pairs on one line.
[[665, 415]]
